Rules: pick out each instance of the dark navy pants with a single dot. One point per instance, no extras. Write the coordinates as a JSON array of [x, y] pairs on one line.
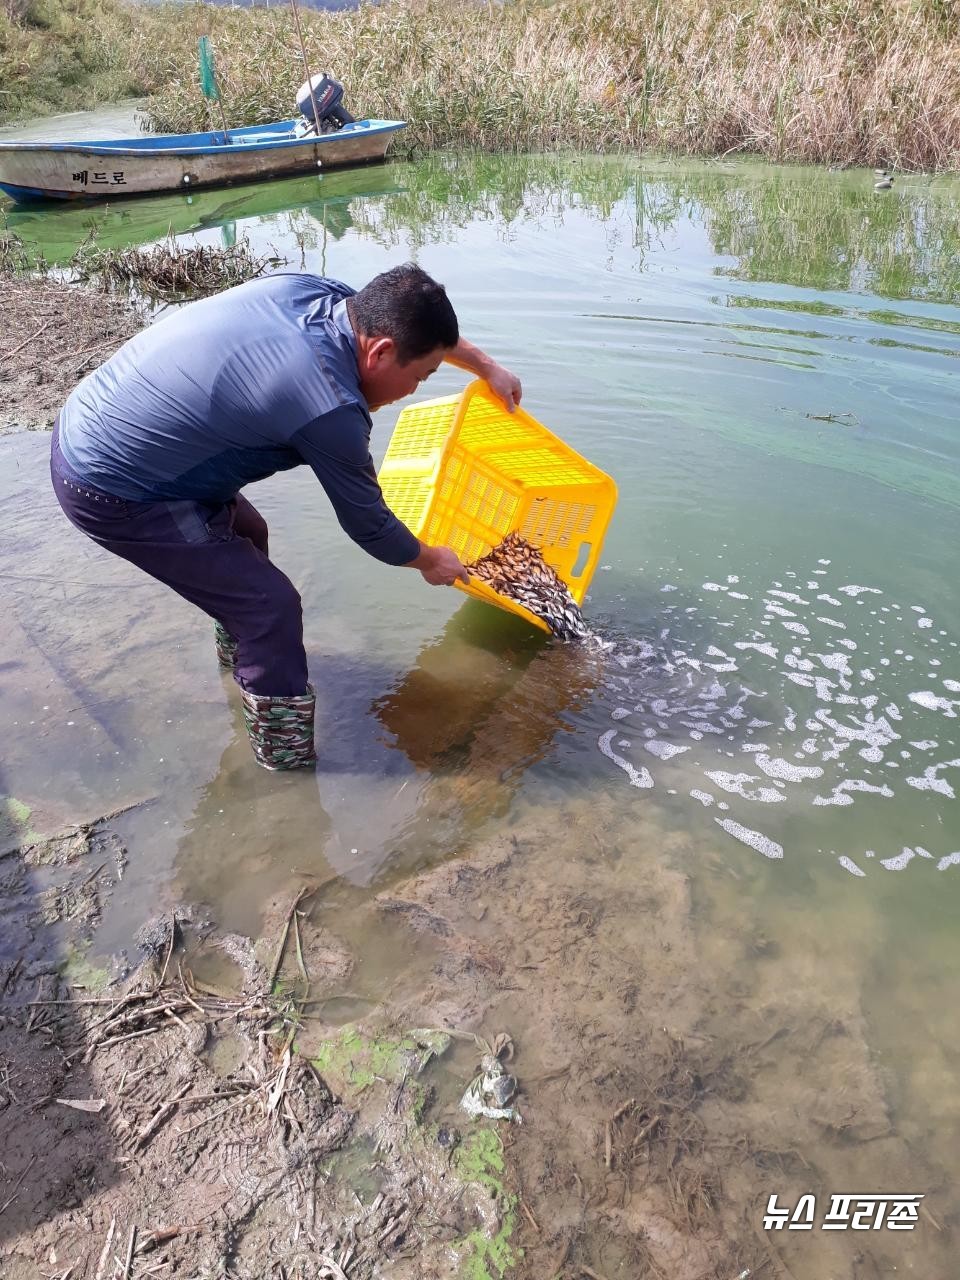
[[215, 556]]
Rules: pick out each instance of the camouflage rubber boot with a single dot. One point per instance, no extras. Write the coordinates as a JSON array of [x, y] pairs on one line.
[[226, 647], [281, 729]]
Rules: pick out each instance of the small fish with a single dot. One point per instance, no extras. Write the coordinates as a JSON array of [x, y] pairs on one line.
[[517, 570]]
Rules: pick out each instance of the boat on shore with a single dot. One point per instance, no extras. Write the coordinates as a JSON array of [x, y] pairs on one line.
[[183, 162]]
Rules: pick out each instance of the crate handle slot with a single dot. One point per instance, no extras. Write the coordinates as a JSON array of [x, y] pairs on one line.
[[582, 560]]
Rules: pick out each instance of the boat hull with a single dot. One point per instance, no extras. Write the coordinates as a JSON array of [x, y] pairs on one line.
[[130, 167]]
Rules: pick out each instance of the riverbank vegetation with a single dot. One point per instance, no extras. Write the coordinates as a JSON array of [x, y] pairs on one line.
[[822, 81]]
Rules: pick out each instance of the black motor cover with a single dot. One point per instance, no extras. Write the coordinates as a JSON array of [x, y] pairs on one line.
[[327, 94]]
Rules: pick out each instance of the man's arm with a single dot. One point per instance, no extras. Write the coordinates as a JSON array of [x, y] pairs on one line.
[[335, 446], [506, 384]]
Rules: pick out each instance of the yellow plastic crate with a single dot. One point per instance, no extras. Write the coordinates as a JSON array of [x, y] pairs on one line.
[[463, 472]]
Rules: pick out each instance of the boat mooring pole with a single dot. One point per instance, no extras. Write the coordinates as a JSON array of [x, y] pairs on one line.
[[306, 65]]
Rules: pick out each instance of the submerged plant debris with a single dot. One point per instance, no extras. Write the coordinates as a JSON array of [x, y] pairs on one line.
[[170, 272]]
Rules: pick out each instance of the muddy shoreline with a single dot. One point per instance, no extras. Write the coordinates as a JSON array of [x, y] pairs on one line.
[[54, 335], [156, 1119]]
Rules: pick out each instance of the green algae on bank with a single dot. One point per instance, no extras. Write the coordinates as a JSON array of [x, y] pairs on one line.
[[79, 971], [15, 829], [355, 1060], [486, 1255]]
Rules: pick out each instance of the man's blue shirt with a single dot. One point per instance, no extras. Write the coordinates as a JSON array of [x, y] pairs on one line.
[[225, 391]]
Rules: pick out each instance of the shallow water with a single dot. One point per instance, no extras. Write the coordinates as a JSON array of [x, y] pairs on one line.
[[766, 361]]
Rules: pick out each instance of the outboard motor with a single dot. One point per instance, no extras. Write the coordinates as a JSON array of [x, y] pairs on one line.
[[327, 94]]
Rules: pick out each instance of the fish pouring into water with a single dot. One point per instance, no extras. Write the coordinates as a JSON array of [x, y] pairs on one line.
[[516, 569]]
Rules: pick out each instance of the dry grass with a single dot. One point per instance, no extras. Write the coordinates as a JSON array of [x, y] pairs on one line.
[[824, 81]]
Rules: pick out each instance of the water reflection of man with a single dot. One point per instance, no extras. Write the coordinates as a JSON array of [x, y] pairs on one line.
[[151, 450], [476, 711]]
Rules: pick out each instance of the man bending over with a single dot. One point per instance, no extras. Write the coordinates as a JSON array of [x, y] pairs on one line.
[[151, 450]]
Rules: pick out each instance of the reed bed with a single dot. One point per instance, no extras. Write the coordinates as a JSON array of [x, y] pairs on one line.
[[842, 82]]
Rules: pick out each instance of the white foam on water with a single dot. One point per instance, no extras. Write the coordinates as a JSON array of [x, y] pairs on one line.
[[951, 860], [870, 701], [797, 627], [695, 734], [823, 686], [853, 591], [790, 720], [952, 685], [768, 650], [925, 744], [721, 666], [668, 586], [705, 798], [918, 608], [620, 713], [663, 750], [849, 865], [867, 674], [804, 681], [893, 711], [900, 861], [832, 622], [732, 577], [837, 604], [755, 839], [847, 699], [778, 609], [848, 644], [838, 662], [824, 562], [840, 796], [638, 777], [873, 754], [736, 784], [738, 595], [788, 595], [799, 664], [712, 586], [774, 767], [924, 622], [933, 702], [930, 781], [714, 652]]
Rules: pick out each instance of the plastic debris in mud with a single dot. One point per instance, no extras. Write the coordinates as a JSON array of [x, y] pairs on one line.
[[518, 571], [489, 1092]]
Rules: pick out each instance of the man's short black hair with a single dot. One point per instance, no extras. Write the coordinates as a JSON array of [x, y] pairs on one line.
[[408, 306]]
